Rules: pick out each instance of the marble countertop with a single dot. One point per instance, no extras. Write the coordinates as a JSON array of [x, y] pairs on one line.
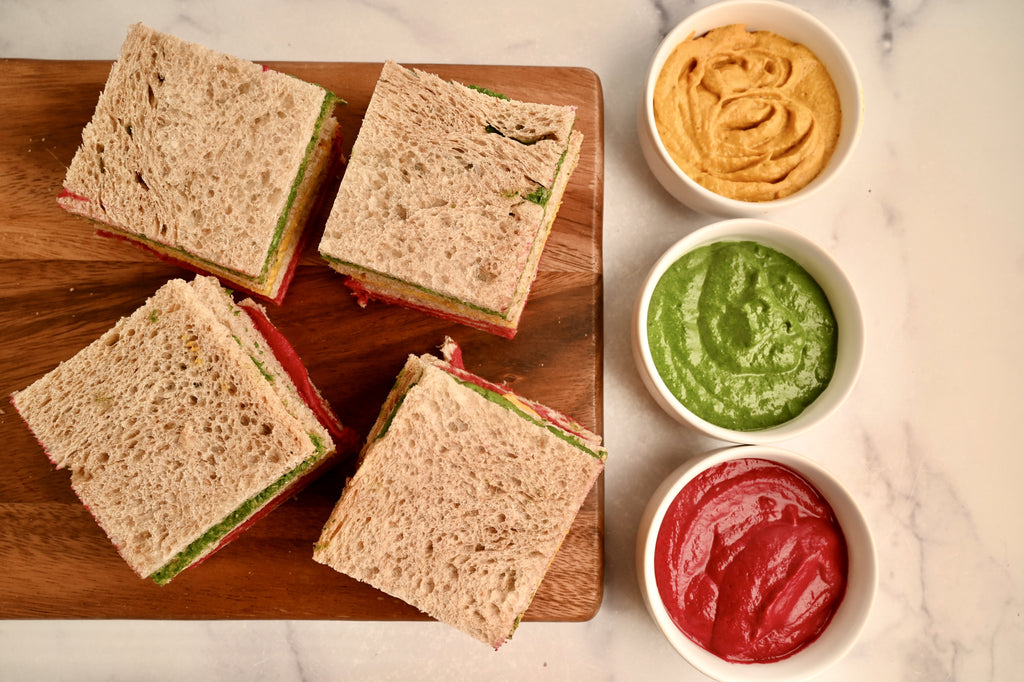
[[922, 221]]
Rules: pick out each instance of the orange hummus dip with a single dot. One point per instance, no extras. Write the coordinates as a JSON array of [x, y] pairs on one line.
[[748, 115]]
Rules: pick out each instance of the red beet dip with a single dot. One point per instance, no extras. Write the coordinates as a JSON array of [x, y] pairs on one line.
[[750, 561]]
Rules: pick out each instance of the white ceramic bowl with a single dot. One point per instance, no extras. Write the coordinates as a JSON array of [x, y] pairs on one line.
[[822, 267], [789, 22], [862, 576]]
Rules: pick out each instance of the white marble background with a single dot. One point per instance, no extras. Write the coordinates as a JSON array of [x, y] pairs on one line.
[[926, 222]]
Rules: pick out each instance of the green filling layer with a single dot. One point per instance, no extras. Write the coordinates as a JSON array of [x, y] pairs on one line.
[[504, 402], [325, 109], [391, 417], [425, 290], [539, 196], [489, 92], [263, 370], [501, 400], [215, 534], [329, 101]]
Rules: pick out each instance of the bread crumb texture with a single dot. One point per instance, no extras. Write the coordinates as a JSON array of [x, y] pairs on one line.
[[194, 149], [165, 424], [447, 187], [458, 508]]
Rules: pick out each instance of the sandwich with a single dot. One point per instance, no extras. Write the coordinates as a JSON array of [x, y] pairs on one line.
[[184, 423], [208, 160], [463, 494], [448, 198]]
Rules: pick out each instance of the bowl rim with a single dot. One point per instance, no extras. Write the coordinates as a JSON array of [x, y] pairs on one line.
[[826, 272], [850, 618], [841, 68]]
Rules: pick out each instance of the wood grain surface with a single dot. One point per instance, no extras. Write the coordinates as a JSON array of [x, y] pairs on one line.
[[61, 287]]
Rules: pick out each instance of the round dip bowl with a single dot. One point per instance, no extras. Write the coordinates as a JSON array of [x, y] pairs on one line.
[[825, 271], [788, 22], [842, 631]]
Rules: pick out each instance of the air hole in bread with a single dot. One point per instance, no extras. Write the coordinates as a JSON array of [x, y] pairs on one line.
[[112, 339], [266, 429], [139, 179]]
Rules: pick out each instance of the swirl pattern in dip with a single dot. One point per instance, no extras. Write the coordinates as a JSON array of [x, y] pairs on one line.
[[748, 115]]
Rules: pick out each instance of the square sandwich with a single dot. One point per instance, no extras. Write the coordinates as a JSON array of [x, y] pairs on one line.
[[209, 160], [188, 420], [448, 198], [463, 495]]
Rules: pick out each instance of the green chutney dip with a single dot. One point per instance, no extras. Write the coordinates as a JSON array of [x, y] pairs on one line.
[[742, 335]]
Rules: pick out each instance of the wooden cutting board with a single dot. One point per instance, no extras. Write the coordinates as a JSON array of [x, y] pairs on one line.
[[61, 286]]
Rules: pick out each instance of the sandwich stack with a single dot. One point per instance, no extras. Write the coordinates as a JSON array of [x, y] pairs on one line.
[[463, 494], [187, 421], [448, 198], [206, 159]]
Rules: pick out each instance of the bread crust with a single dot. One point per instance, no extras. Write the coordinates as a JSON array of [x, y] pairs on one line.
[[203, 157], [449, 196], [459, 503], [168, 423]]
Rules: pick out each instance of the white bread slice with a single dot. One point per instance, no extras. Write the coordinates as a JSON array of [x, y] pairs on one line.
[[460, 500], [203, 157], [170, 428], [449, 196]]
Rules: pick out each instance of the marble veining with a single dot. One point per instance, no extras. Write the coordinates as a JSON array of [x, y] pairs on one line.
[[926, 222]]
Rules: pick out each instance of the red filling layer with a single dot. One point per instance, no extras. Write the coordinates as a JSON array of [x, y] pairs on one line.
[[294, 488], [289, 272], [337, 158], [344, 437], [457, 369], [346, 440], [65, 193], [750, 561], [363, 294]]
